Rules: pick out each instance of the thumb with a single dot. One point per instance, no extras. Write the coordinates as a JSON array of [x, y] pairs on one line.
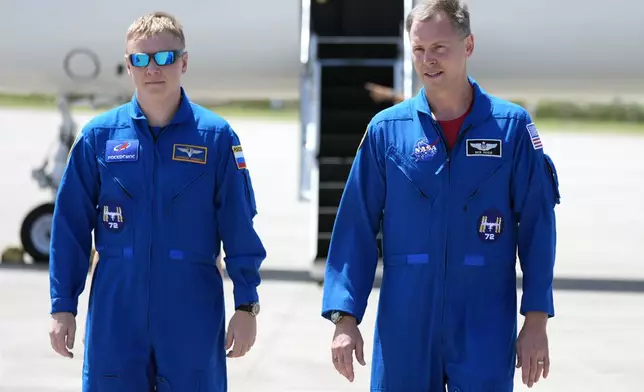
[[71, 336], [360, 352], [229, 339]]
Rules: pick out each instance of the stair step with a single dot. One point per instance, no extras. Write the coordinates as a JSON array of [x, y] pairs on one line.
[[324, 241], [345, 121], [334, 169], [356, 76], [354, 98], [357, 18], [330, 196], [326, 221], [381, 51], [349, 40], [339, 145]]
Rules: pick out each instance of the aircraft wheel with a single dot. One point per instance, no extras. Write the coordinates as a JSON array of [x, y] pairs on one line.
[[35, 232]]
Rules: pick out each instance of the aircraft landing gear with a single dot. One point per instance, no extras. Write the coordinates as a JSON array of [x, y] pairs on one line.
[[35, 232]]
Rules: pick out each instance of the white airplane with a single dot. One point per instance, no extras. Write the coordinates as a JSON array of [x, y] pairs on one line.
[[256, 49], [75, 50], [238, 49]]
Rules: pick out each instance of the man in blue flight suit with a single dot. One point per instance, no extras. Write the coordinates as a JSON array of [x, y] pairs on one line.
[[162, 182], [456, 180]]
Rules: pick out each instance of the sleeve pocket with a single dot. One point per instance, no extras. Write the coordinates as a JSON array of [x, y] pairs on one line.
[[553, 177], [250, 193]]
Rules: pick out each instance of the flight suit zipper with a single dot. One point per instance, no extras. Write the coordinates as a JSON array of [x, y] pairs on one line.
[[155, 139], [449, 180]]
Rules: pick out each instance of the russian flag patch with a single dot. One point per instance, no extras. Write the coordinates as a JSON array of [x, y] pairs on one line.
[[239, 157]]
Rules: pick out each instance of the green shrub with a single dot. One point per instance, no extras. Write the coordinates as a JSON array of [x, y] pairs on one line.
[[611, 111]]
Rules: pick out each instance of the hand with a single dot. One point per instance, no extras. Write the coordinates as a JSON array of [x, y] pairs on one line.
[[533, 356], [220, 266], [62, 333], [346, 339], [379, 93], [242, 331]]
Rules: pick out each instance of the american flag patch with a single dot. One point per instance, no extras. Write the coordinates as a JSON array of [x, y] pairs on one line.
[[534, 136]]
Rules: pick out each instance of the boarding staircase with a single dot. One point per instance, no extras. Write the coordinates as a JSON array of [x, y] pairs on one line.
[[345, 44]]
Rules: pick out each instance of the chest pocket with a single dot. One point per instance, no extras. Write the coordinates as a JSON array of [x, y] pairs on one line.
[[404, 174], [121, 170], [191, 187]]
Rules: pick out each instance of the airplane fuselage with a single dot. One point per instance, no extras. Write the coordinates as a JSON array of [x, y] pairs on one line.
[[237, 49]]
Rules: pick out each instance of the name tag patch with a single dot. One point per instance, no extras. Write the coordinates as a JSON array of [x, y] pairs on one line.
[[238, 152], [484, 148], [122, 150], [188, 153], [113, 219]]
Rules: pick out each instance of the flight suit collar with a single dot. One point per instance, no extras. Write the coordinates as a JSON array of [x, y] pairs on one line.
[[481, 106], [183, 114]]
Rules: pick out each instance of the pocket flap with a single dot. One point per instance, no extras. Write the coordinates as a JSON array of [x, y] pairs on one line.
[[403, 259], [554, 177], [418, 178]]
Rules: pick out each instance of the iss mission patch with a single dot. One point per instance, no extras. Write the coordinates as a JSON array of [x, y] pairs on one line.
[[113, 217], [490, 225]]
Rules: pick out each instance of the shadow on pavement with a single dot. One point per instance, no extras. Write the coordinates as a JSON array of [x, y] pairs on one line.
[[289, 275]]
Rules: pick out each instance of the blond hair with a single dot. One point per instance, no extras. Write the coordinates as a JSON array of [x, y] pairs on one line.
[[457, 11], [156, 23]]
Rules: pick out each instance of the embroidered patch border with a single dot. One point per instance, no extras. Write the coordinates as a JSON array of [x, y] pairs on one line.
[[189, 149], [240, 160]]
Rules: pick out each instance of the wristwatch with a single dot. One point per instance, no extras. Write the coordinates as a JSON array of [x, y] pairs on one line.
[[336, 316], [252, 308]]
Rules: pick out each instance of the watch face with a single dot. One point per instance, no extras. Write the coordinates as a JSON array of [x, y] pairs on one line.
[[335, 317], [255, 308]]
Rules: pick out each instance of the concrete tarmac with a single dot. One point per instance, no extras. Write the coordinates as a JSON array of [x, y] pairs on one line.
[[596, 338]]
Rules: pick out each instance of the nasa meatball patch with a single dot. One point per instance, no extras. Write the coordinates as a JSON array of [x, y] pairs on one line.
[[484, 148]]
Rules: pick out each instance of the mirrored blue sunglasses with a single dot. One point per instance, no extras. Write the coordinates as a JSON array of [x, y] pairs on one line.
[[165, 57]]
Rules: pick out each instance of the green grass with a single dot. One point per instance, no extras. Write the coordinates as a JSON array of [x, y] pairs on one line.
[[249, 109], [560, 125], [27, 101], [260, 110]]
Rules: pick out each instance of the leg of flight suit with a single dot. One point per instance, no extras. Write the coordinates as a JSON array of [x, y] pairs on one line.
[[480, 328], [469, 385], [117, 344], [188, 327]]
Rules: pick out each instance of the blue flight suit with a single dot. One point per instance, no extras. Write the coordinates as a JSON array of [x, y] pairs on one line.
[[450, 231], [160, 202]]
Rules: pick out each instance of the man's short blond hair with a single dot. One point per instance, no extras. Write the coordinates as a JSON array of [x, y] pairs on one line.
[[156, 23], [457, 11]]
